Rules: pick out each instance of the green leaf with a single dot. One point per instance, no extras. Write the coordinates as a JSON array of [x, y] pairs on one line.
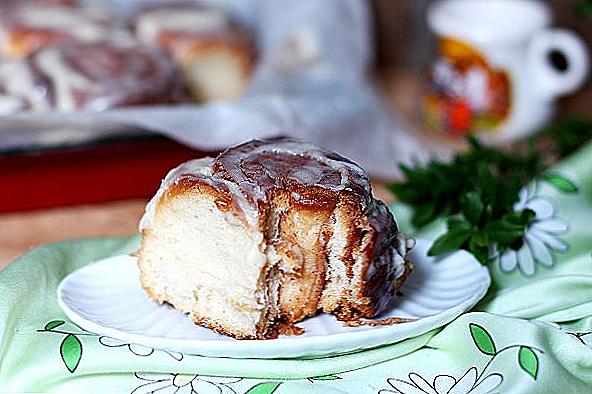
[[423, 215], [480, 238], [528, 361], [54, 324], [264, 388], [504, 231], [326, 377], [527, 216], [561, 183], [458, 222], [482, 339], [450, 241], [480, 186], [71, 352], [472, 206], [480, 252]]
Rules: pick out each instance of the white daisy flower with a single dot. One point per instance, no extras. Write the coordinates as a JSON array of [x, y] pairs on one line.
[[446, 384], [540, 239]]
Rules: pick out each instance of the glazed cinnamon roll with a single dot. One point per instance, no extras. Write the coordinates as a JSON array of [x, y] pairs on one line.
[[93, 77], [267, 234], [29, 25], [215, 54]]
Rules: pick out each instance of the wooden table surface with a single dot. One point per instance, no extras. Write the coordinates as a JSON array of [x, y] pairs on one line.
[[20, 232]]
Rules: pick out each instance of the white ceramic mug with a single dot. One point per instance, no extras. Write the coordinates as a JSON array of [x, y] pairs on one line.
[[500, 67]]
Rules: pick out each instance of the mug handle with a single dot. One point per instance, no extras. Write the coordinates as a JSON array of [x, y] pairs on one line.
[[559, 62]]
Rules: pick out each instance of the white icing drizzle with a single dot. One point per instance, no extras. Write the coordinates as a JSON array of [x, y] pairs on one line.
[[66, 19], [409, 244], [237, 189], [17, 79], [152, 23], [405, 245], [198, 166], [250, 212], [399, 262], [298, 148], [64, 79], [347, 170]]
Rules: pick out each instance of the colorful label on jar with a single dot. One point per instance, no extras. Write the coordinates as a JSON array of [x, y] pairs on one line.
[[464, 93]]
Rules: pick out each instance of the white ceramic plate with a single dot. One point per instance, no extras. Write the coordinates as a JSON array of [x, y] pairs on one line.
[[106, 298]]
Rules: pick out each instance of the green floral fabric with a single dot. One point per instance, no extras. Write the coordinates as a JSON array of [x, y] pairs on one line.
[[530, 334]]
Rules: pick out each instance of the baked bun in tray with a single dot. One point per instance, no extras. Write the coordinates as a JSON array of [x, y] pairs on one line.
[[93, 77], [29, 25], [215, 53]]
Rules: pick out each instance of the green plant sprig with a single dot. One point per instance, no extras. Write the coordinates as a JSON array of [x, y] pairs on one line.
[[476, 192]]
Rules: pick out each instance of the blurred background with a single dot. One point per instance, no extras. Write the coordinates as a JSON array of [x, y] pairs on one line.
[[129, 84], [404, 43]]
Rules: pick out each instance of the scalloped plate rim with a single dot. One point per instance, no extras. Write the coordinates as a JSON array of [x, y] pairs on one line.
[[285, 347]]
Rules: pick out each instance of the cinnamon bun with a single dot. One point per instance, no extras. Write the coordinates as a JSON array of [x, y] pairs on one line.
[[267, 234], [215, 54], [93, 76], [29, 25]]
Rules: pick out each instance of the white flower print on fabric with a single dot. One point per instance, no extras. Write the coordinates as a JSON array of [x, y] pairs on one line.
[[541, 238], [184, 384], [471, 381], [138, 350], [445, 384]]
